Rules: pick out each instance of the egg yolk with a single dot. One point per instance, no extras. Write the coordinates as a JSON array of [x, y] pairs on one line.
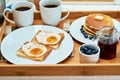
[[51, 39], [36, 51]]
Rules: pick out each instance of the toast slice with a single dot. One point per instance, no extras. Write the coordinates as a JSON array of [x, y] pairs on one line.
[[54, 46], [22, 54]]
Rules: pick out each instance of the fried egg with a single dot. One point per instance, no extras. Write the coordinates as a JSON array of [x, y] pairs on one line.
[[34, 49], [46, 37]]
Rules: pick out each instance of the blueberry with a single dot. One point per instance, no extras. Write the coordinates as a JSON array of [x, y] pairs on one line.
[[91, 37], [85, 35], [95, 37], [96, 50], [92, 47], [82, 26], [82, 47], [88, 52], [85, 49], [82, 31], [88, 46], [82, 50], [93, 52]]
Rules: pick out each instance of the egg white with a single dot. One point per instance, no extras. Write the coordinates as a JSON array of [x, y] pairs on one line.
[[26, 48], [43, 35]]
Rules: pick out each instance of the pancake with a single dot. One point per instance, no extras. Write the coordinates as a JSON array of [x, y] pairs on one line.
[[94, 22], [97, 21], [88, 30]]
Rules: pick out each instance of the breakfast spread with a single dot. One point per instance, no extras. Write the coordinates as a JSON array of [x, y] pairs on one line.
[[93, 23], [41, 45]]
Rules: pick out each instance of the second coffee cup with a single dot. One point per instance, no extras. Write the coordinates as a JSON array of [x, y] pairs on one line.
[[51, 11]]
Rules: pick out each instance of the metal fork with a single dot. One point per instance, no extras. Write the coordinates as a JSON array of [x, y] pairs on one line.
[[66, 26]]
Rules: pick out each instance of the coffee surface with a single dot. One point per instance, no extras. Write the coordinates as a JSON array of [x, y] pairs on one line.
[[22, 8], [50, 6]]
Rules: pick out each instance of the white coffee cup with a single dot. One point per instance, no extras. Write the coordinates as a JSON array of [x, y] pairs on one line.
[[23, 13], [51, 11]]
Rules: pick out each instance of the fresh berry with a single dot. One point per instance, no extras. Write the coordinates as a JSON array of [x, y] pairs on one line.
[[91, 37], [88, 49], [81, 30], [85, 35], [88, 52], [82, 26]]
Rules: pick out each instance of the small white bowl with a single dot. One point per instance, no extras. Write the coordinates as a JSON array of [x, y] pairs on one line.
[[89, 58]]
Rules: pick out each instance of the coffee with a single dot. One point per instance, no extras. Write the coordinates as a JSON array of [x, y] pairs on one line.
[[50, 6], [22, 8]]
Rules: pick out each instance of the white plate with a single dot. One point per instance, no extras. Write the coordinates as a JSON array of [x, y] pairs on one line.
[[13, 41], [76, 33]]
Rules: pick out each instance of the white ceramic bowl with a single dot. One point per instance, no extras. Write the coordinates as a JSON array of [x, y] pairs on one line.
[[89, 58]]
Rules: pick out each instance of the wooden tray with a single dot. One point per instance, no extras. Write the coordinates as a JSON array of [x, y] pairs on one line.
[[70, 66]]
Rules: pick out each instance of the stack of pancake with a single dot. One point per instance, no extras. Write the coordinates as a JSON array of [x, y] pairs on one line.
[[94, 22]]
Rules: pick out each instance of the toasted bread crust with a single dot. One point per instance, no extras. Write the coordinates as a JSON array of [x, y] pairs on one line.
[[20, 53]]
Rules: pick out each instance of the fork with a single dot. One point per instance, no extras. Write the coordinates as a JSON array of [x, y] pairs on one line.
[[66, 26]]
